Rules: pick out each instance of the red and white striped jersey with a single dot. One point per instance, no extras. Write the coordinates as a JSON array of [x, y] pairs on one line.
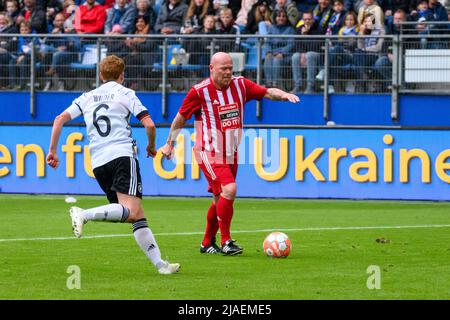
[[219, 114]]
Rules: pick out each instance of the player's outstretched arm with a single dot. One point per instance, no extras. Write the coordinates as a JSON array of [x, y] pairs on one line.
[[150, 130], [178, 123], [52, 157], [279, 95]]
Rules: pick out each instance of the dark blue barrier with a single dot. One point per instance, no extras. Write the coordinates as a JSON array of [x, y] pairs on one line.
[[361, 109], [344, 109], [293, 163]]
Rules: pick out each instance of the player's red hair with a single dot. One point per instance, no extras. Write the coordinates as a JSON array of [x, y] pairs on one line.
[[111, 67]]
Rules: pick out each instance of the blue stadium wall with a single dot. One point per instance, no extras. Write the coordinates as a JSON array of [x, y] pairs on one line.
[[359, 163], [344, 109]]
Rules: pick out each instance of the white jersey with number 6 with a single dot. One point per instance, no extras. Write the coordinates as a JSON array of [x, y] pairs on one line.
[[107, 112]]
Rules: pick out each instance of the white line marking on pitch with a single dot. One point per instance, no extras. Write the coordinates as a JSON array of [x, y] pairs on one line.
[[238, 231]]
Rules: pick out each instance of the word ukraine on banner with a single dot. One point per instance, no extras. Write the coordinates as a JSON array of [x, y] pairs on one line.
[[288, 163]]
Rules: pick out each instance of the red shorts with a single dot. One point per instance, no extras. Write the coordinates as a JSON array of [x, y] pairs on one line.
[[218, 175]]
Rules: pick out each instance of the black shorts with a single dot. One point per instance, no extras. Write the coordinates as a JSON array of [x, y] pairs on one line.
[[120, 175]]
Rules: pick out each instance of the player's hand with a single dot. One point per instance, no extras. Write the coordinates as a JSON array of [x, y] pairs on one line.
[[291, 97], [151, 151], [167, 151], [52, 160]]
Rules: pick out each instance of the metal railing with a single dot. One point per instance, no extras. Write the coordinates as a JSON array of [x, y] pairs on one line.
[[409, 27], [325, 65]]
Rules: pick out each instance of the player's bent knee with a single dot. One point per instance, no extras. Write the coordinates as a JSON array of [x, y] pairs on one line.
[[136, 213], [229, 191]]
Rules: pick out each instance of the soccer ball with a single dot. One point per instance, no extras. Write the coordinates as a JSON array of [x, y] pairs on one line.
[[277, 245]]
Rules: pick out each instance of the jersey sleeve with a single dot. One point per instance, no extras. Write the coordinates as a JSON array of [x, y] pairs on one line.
[[135, 105], [75, 109], [253, 90], [191, 104]]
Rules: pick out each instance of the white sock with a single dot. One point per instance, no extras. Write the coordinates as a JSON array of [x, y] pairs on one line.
[[146, 241], [113, 212]]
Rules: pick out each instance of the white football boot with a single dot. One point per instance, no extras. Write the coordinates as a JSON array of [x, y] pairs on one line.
[[76, 214], [169, 268]]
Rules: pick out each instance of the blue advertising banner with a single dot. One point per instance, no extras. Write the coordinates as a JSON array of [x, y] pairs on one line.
[[288, 163]]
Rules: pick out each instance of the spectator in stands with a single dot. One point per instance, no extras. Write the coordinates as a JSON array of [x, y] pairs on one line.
[[383, 65], [259, 14], [35, 15], [314, 59], [422, 12], [369, 49], [337, 18], [12, 9], [170, 17], [197, 11], [218, 5], [140, 51], [20, 63], [322, 14], [396, 27], [90, 18], [439, 11], [290, 8], [51, 45], [277, 51], [116, 45], [53, 7], [7, 24], [226, 25], [242, 16], [439, 15], [68, 11], [122, 14], [334, 25], [198, 49], [145, 9], [433, 11], [391, 6], [370, 7], [341, 53], [7, 46], [234, 5], [305, 27], [424, 30], [59, 52]]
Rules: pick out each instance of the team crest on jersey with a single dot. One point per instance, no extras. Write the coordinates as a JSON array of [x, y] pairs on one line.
[[229, 116]]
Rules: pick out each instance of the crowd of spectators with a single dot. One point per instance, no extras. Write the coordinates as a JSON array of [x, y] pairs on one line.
[[234, 17]]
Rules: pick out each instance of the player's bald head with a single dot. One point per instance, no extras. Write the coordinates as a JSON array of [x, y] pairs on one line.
[[220, 57], [221, 68]]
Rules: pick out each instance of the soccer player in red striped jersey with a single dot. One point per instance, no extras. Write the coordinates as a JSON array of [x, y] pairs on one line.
[[218, 106]]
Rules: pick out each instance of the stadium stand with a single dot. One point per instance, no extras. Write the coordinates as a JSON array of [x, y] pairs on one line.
[[421, 25]]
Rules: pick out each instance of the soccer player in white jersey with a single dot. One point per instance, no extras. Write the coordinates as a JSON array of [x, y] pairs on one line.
[[107, 111]]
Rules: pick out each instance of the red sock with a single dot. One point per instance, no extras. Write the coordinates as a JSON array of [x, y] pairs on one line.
[[212, 225], [224, 215]]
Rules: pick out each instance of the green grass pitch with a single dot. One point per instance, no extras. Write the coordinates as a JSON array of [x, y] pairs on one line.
[[331, 251]]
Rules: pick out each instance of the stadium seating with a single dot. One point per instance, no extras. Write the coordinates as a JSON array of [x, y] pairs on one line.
[[88, 58], [172, 64]]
